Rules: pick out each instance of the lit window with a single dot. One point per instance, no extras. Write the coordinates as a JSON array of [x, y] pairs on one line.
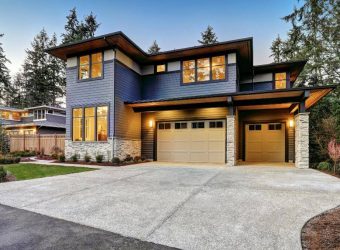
[[77, 124], [160, 68], [218, 67], [102, 116], [189, 68], [280, 80], [203, 69], [84, 67], [91, 67], [96, 65], [89, 124]]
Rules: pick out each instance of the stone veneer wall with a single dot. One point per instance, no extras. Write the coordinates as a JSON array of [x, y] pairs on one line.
[[91, 148], [123, 147], [302, 140], [231, 141]]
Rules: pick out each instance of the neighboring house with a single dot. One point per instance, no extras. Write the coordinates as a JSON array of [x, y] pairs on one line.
[[35, 120], [198, 104]]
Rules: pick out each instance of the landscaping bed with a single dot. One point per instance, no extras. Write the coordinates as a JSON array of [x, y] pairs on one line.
[[105, 164], [31, 171], [322, 231]]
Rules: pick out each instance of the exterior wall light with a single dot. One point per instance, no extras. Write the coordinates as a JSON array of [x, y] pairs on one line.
[[151, 123], [291, 123]]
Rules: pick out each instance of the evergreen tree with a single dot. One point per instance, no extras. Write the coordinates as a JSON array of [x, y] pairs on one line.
[[18, 95], [208, 36], [276, 48], [4, 76], [154, 48], [43, 74], [314, 35], [76, 31]]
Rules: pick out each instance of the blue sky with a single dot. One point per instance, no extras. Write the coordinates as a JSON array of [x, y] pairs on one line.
[[174, 24]]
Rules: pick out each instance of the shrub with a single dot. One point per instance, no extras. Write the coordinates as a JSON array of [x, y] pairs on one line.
[[62, 158], [115, 160], [87, 158], [324, 166], [137, 159], [99, 158], [26, 153], [142, 158], [74, 158], [128, 158], [2, 174], [9, 160]]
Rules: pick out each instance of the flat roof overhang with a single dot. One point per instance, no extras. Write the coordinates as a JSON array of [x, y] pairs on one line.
[[243, 48], [274, 99]]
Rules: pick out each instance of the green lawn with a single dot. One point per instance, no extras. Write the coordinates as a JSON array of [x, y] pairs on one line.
[[31, 171]]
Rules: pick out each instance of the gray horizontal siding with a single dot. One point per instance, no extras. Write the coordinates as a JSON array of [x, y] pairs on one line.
[[169, 85], [88, 93], [127, 88], [56, 118], [148, 135]]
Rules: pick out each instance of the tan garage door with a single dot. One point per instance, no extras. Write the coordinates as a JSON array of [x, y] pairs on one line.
[[265, 142], [191, 141]]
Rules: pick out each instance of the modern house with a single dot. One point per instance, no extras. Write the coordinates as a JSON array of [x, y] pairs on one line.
[[197, 104], [34, 120]]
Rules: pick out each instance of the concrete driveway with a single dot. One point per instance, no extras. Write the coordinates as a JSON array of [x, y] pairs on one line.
[[185, 206]]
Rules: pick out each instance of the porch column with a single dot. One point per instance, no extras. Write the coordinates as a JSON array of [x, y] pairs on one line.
[[231, 141], [302, 140]]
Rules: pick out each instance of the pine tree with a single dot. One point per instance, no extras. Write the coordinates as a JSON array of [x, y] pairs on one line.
[[314, 35], [18, 95], [208, 36], [4, 76], [43, 74], [154, 48], [76, 31], [276, 48]]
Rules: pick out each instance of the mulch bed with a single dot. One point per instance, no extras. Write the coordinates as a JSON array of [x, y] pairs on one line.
[[107, 164], [322, 231]]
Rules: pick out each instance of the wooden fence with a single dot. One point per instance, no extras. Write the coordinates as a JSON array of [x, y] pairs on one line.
[[38, 143]]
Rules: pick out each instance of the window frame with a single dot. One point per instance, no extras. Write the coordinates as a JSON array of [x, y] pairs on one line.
[[90, 67], [274, 80], [225, 79], [95, 106]]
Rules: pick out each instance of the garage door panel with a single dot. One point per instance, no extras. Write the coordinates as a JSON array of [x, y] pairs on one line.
[[195, 143], [265, 144]]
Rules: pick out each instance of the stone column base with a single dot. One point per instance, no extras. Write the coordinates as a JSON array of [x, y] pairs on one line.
[[231, 141], [302, 140]]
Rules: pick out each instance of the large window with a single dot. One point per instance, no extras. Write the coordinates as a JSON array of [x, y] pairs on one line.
[[280, 80], [89, 123], [91, 66], [189, 71], [102, 123], [218, 67], [94, 124], [204, 69], [77, 130]]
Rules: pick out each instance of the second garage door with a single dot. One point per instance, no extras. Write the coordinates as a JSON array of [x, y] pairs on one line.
[[191, 141], [265, 142]]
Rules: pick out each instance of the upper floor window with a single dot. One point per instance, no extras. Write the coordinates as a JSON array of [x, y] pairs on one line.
[[91, 66], [218, 67], [204, 69], [280, 80], [39, 114], [160, 68]]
